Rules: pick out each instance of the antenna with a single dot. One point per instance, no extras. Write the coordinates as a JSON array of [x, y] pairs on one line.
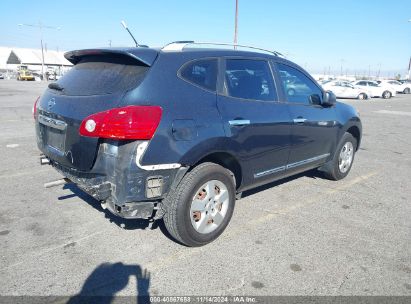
[[125, 26]]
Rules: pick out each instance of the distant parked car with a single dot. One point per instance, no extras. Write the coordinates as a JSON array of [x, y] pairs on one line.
[[37, 76], [399, 87], [344, 89], [375, 89], [1, 76]]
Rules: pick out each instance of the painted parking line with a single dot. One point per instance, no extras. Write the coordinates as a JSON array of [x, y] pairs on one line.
[[188, 252], [185, 253], [314, 199], [401, 113]]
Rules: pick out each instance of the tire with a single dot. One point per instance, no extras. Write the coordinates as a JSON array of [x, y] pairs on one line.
[[386, 95], [339, 168], [290, 92], [362, 96], [191, 212], [407, 91]]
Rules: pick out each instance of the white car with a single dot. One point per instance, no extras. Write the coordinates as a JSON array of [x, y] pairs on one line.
[[344, 89], [375, 89], [399, 87]]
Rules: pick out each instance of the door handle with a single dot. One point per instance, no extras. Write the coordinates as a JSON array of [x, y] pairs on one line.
[[239, 122], [299, 120]]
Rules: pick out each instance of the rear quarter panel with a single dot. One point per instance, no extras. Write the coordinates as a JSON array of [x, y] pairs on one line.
[[187, 109]]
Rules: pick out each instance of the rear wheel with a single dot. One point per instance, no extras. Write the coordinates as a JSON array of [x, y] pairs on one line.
[[386, 95], [343, 158], [201, 206], [362, 96], [407, 91]]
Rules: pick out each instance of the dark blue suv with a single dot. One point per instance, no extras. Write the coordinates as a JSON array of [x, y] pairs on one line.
[[179, 132]]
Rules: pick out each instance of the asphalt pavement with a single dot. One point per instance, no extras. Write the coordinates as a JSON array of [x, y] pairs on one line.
[[301, 236]]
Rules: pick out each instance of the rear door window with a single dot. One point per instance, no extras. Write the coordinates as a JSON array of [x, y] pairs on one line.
[[249, 79], [202, 73], [96, 75]]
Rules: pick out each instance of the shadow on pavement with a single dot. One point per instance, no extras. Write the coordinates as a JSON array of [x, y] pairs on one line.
[[108, 279], [128, 224], [314, 174]]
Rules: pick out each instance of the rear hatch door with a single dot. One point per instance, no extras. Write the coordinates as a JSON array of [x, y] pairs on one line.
[[97, 82]]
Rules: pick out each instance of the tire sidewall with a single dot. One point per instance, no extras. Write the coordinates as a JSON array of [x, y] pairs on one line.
[[386, 95], [346, 138], [186, 229]]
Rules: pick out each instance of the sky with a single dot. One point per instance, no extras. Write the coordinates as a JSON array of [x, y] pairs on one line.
[[320, 35]]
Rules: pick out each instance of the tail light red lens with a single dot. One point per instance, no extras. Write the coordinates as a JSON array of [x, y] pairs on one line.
[[34, 110], [132, 122]]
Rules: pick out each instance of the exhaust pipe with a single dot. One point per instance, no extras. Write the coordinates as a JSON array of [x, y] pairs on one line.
[[57, 183]]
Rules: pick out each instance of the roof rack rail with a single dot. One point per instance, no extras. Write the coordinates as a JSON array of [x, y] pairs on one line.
[[180, 45]]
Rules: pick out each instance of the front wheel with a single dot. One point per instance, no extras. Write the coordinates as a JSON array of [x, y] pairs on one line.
[[407, 91], [362, 96], [386, 95], [201, 206], [343, 158]]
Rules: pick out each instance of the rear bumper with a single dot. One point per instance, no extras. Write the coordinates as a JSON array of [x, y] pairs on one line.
[[123, 186]]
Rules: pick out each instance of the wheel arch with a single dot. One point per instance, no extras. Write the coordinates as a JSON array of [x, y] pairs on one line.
[[356, 133], [225, 160]]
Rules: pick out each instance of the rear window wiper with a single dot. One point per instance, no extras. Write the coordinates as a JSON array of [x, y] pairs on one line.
[[55, 86]]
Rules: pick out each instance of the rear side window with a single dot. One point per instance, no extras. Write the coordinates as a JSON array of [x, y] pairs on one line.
[[101, 75], [249, 79], [201, 72]]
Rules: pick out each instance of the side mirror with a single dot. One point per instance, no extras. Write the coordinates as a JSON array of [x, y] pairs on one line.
[[315, 99], [329, 99]]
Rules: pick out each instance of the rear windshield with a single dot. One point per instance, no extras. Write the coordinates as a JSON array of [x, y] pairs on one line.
[[95, 75]]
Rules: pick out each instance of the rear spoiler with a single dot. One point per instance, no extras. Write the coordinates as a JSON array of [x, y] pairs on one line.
[[146, 56]]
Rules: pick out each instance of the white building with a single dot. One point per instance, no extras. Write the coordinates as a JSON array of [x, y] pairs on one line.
[[11, 57]]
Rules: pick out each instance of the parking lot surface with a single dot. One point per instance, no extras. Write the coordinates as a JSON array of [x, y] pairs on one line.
[[301, 236]]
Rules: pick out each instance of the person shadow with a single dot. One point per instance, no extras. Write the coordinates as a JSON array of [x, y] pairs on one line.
[[108, 279]]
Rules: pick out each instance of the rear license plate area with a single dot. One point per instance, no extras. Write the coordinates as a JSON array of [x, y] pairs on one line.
[[53, 132], [55, 138]]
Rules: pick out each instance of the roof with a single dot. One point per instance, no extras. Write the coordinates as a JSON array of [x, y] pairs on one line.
[[34, 56], [148, 55]]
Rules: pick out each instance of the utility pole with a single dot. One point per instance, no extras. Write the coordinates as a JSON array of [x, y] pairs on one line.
[[41, 26], [236, 24], [379, 70]]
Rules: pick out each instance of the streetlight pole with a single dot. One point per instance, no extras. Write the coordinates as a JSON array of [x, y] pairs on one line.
[[236, 24], [41, 26]]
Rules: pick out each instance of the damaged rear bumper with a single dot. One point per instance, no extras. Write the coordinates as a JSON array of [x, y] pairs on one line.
[[121, 184]]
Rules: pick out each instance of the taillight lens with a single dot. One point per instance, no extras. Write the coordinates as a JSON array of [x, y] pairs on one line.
[[34, 109], [132, 122]]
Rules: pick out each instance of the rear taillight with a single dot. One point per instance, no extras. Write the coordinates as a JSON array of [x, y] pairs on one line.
[[34, 110], [132, 122]]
